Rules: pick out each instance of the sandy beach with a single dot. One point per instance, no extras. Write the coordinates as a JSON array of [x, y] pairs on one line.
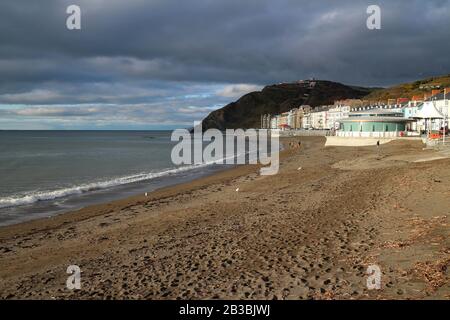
[[309, 232]]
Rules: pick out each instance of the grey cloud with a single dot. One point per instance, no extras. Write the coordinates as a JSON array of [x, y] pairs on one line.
[[230, 41], [237, 90], [152, 114], [146, 52]]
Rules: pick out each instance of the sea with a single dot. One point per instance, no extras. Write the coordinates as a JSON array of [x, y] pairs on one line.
[[44, 173]]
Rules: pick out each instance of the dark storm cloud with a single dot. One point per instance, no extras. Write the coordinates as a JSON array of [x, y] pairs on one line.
[[148, 51]]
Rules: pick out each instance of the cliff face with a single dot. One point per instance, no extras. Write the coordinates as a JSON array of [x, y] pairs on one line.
[[274, 99]]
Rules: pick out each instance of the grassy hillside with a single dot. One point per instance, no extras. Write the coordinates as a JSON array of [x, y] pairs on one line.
[[407, 90]]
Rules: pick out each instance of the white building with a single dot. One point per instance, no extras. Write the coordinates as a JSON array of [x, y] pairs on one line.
[[438, 102], [318, 119], [441, 103], [291, 118], [274, 122], [335, 114], [306, 121], [429, 117]]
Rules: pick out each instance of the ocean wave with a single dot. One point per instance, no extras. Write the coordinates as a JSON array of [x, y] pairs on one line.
[[36, 196]]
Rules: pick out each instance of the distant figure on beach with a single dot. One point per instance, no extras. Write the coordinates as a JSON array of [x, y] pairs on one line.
[[378, 143]]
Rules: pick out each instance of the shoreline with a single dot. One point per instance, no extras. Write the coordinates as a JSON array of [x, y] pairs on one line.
[[122, 203], [117, 194], [46, 209], [92, 210], [308, 232]]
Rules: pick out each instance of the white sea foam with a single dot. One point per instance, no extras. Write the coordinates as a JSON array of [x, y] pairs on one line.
[[35, 196]]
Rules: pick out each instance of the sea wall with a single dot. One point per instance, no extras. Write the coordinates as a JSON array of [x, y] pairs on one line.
[[355, 142], [361, 141], [302, 133]]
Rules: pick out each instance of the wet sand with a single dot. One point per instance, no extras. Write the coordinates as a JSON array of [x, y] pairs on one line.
[[309, 232]]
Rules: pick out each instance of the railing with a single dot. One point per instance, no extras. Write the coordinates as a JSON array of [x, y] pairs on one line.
[[305, 133], [437, 143], [362, 134]]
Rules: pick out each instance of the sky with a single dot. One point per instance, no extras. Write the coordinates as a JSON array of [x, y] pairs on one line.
[[162, 64]]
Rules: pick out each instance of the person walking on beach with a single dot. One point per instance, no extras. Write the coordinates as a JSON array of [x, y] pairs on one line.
[[378, 143]]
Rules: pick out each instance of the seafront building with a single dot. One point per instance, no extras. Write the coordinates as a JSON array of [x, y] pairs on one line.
[[283, 121], [363, 118], [380, 123], [335, 114], [441, 103], [274, 122], [293, 119], [306, 121], [429, 118], [317, 119]]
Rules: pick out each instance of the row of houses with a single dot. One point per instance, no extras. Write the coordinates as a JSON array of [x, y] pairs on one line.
[[410, 117], [305, 117]]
